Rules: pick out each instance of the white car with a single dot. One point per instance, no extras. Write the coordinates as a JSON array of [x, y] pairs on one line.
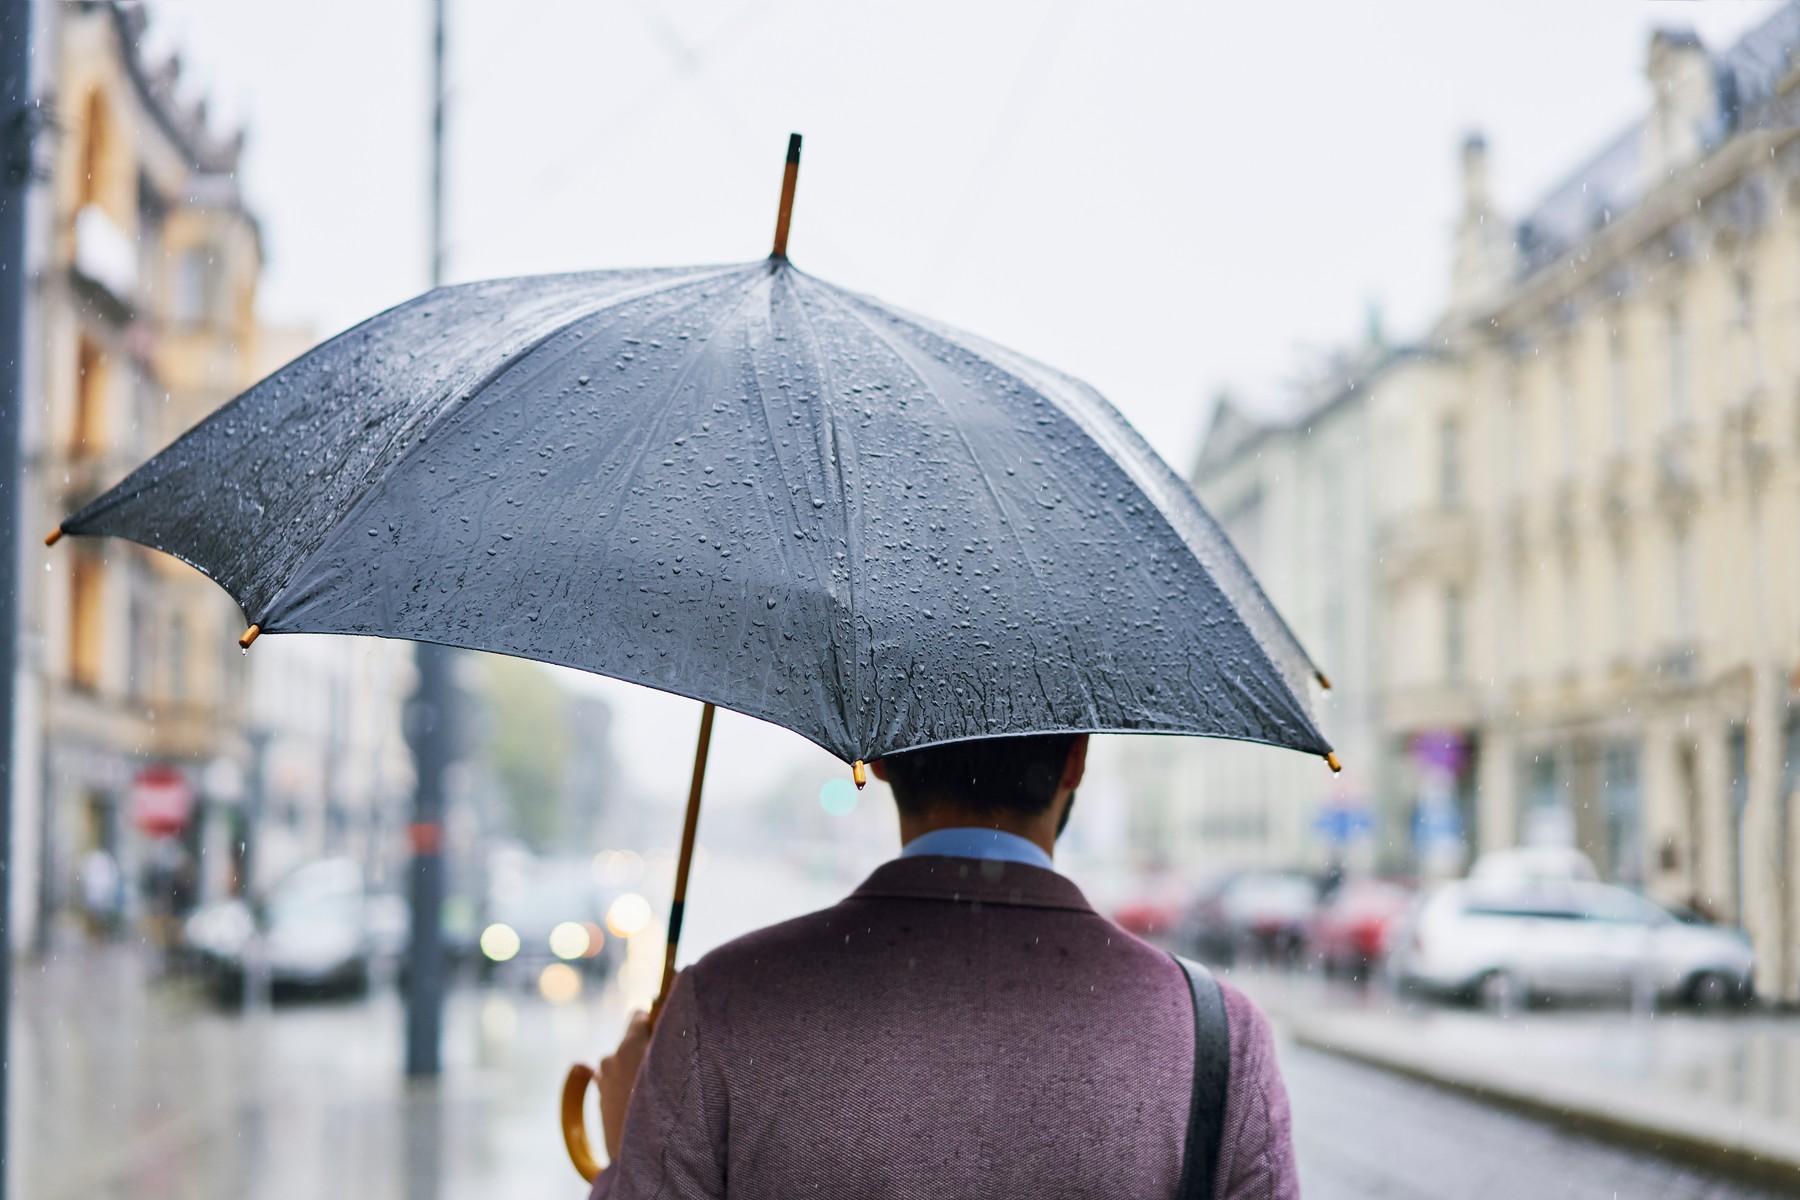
[[1505, 941]]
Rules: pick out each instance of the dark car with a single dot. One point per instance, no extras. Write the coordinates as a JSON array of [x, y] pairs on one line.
[[1251, 915], [543, 912]]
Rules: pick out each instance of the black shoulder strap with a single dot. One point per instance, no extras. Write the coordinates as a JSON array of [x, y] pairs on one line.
[[1212, 1076]]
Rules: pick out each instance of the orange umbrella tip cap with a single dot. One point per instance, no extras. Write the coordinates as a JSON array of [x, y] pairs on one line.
[[860, 773], [1331, 760], [249, 635], [53, 537], [1324, 682]]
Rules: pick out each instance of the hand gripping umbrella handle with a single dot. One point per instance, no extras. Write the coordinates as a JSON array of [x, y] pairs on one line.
[[574, 1121]]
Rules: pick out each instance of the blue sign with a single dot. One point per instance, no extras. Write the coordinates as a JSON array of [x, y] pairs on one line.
[[1340, 825]]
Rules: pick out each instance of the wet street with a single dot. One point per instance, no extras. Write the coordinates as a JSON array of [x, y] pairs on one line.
[[131, 1086], [127, 1088]]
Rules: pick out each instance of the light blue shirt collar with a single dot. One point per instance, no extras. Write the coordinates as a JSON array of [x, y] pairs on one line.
[[974, 842]]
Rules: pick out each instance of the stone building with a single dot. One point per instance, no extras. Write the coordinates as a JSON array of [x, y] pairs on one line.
[[1292, 494], [144, 266], [1590, 530]]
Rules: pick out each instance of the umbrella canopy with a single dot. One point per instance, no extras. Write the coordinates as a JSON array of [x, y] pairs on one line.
[[740, 484]]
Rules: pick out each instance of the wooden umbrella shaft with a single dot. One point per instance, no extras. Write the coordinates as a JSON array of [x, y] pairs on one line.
[[685, 862], [785, 215]]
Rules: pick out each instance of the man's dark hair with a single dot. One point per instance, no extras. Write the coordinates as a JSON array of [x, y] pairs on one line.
[[993, 775]]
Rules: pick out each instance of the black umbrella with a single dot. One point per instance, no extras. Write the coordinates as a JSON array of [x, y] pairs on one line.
[[739, 484]]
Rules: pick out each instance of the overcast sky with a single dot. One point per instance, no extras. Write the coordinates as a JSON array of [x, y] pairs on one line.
[[1165, 199]]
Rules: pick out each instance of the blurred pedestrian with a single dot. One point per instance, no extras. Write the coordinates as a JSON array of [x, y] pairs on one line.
[[963, 1024], [102, 892]]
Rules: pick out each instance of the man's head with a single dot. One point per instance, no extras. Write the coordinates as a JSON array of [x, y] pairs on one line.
[[1007, 783]]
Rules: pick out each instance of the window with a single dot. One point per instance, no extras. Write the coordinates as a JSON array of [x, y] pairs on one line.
[[85, 620], [142, 651], [89, 429], [1450, 488], [1624, 813], [1570, 585], [1568, 416], [1737, 751], [178, 660], [95, 144], [1621, 392], [1678, 367], [1453, 635], [1623, 616], [1744, 331], [1683, 587], [193, 299]]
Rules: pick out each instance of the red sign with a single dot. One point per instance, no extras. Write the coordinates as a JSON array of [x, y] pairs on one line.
[[162, 801]]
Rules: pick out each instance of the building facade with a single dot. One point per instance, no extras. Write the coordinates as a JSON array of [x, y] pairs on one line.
[[1590, 529], [139, 794], [1292, 494]]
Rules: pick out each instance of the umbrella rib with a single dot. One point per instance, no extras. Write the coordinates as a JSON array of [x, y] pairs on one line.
[[851, 541], [900, 353]]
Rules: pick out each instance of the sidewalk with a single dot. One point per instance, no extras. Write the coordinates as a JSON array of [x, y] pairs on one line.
[[1720, 1091]]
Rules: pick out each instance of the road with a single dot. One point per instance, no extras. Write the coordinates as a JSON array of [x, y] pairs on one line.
[[1365, 1134]]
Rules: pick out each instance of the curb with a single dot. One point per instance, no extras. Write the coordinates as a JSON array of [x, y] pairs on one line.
[[1727, 1147]]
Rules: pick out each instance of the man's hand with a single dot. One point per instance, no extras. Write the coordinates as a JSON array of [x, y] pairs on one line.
[[618, 1075]]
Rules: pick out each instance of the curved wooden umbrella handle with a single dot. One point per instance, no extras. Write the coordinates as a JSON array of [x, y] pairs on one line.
[[574, 1121]]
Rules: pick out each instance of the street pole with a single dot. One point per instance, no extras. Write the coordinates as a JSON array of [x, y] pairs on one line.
[[431, 725], [17, 121]]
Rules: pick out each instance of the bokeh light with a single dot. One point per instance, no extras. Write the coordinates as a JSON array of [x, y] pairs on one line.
[[628, 915], [559, 983], [569, 940], [499, 942], [838, 797]]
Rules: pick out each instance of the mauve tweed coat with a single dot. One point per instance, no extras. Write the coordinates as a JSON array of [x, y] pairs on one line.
[[954, 1028]]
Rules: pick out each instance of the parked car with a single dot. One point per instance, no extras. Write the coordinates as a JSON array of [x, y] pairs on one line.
[[1503, 942], [1352, 930], [319, 930], [1258, 914]]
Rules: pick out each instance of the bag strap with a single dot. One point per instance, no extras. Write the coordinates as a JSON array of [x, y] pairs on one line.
[[1212, 1078]]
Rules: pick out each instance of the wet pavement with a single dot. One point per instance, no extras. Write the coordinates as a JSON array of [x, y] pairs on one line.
[[126, 1086]]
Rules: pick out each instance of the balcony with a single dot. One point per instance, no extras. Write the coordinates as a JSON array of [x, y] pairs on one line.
[[1675, 668], [1678, 470], [1437, 542]]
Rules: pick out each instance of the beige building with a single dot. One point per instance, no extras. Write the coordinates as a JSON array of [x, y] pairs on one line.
[[1588, 523], [144, 265]]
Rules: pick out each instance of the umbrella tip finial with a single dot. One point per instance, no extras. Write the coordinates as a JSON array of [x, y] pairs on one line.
[[858, 769], [788, 179], [1331, 760], [53, 537], [1324, 681], [249, 635]]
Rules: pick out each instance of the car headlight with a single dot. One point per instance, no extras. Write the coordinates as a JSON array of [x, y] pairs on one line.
[[499, 942]]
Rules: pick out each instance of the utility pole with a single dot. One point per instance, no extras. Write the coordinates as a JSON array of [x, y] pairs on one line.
[[17, 123], [430, 725]]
